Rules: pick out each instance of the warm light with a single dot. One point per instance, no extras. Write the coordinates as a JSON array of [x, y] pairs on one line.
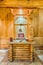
[[21, 20], [20, 11], [0, 23]]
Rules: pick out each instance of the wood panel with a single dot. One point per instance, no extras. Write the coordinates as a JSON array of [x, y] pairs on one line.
[[41, 22], [20, 52], [16, 3]]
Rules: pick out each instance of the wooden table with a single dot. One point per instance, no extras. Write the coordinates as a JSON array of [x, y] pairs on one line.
[[20, 51]]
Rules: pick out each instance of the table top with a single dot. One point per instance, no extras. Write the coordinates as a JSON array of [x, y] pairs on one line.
[[20, 42]]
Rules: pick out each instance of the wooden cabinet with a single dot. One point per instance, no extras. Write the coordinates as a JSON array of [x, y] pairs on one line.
[[10, 53], [20, 52]]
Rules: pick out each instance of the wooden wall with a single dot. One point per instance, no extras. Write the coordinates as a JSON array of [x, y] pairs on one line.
[[35, 22], [6, 20], [7, 23], [7, 26], [40, 22]]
